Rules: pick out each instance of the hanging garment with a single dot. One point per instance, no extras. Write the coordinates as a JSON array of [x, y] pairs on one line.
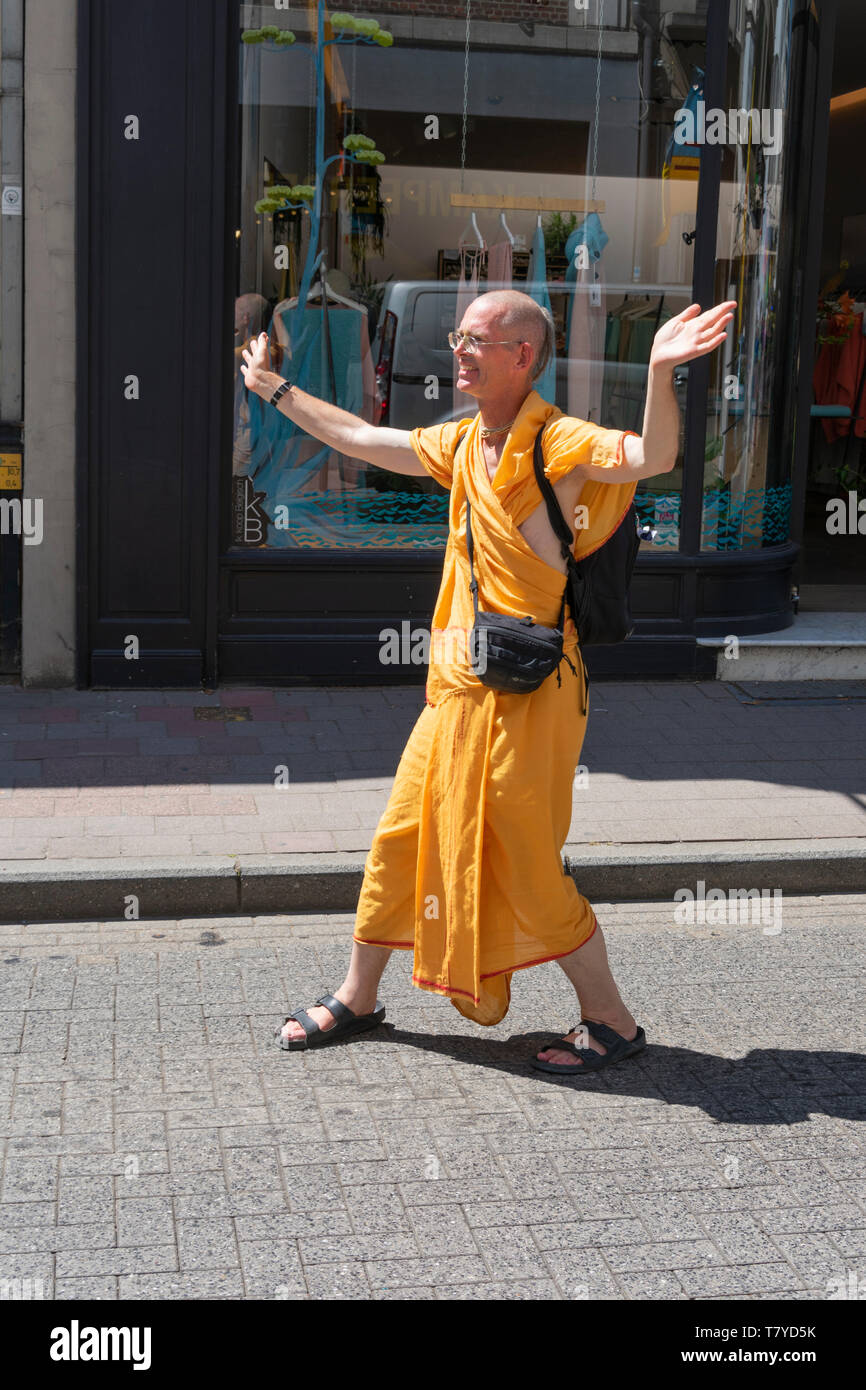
[[639, 322], [500, 265], [536, 288], [587, 319], [467, 291], [839, 378], [682, 161], [330, 359], [465, 866], [352, 385]]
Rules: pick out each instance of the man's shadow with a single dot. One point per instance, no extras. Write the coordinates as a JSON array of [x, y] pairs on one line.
[[770, 1086]]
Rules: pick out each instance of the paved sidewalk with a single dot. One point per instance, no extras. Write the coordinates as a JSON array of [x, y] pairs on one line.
[[160, 1146], [89, 774], [266, 800]]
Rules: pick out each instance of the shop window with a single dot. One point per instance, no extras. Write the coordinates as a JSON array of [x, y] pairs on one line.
[[548, 158], [747, 482]]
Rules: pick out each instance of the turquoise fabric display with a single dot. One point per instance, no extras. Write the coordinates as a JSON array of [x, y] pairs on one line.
[[592, 235], [281, 463]]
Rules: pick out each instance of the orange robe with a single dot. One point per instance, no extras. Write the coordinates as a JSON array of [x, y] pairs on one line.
[[465, 868]]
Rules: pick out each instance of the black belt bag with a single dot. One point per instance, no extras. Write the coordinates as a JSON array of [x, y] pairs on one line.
[[514, 654]]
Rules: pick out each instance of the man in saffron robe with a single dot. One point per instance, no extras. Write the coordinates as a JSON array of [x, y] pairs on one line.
[[465, 868]]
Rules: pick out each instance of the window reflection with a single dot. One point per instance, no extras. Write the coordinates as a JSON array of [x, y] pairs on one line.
[[550, 160], [747, 492]]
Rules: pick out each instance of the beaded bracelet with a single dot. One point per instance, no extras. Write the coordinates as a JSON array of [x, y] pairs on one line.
[[281, 390]]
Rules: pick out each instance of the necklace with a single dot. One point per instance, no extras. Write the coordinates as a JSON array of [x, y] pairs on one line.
[[485, 431]]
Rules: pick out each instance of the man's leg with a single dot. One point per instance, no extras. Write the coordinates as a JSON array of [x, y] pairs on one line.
[[599, 999], [357, 992], [386, 907]]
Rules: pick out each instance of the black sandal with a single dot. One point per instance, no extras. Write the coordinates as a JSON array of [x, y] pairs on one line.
[[346, 1025], [617, 1046]]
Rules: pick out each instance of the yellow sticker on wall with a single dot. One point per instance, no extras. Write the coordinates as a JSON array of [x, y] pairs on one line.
[[10, 472]]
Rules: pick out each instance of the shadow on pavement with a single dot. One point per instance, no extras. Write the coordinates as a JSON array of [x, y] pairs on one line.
[[769, 1086]]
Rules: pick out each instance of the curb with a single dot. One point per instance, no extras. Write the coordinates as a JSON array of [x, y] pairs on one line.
[[78, 890]]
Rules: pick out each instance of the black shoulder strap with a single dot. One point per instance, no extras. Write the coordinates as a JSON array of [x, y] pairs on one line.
[[470, 547], [561, 529]]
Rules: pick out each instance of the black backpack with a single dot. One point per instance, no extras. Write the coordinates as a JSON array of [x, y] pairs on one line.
[[597, 585]]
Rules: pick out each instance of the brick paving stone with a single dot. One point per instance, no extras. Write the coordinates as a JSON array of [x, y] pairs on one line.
[[191, 1284], [252, 1170], [581, 1275], [442, 1231], [386, 1244], [768, 1279], [293, 1226], [572, 1235], [652, 1283], [17, 1215], [673, 1254], [509, 1252], [27, 1275], [102, 1289], [739, 1237], [85, 1198], [145, 1221], [143, 1259], [818, 1218], [29, 1179], [338, 1281], [314, 1190], [272, 1269], [207, 1244], [852, 1244], [44, 1237], [553, 1210], [446, 1190]]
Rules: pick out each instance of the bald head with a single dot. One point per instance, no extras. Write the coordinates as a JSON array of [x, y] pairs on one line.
[[518, 316]]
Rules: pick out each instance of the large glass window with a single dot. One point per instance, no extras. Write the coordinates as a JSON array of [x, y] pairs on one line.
[[747, 487], [392, 166]]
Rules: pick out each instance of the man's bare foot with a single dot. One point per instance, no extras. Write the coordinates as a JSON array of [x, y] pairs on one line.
[[581, 1038], [325, 1019]]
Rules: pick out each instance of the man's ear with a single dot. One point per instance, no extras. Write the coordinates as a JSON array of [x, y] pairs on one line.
[[527, 356]]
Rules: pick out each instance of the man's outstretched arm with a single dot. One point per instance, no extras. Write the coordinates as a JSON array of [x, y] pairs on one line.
[[339, 429], [688, 335]]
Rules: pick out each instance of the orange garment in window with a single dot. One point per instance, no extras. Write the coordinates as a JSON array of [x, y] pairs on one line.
[[839, 378], [465, 866]]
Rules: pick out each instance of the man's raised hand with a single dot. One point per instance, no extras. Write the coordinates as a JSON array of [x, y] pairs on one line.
[[691, 334], [256, 371]]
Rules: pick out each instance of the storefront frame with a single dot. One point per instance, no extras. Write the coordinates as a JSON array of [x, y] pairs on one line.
[[291, 617]]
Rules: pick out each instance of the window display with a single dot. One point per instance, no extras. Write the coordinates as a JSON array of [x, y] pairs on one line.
[[389, 177]]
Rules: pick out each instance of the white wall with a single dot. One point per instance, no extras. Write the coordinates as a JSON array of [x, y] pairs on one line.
[[48, 569]]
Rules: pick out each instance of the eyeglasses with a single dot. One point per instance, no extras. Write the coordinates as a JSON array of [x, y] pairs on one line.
[[471, 344]]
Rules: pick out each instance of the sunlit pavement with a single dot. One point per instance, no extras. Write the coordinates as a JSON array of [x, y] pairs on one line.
[[162, 1146]]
